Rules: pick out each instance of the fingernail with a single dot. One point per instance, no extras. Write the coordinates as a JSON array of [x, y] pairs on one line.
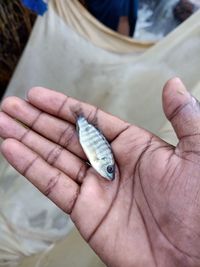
[[181, 89]]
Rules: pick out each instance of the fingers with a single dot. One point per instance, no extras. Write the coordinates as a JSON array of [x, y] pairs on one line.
[[53, 183], [181, 109], [59, 131], [54, 154], [66, 108]]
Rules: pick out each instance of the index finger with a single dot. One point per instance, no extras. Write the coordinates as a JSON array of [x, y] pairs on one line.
[[68, 108]]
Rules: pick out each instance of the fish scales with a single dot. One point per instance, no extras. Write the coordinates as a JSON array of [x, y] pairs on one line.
[[96, 148]]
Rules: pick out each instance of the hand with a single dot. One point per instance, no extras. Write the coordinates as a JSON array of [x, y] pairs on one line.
[[150, 214]]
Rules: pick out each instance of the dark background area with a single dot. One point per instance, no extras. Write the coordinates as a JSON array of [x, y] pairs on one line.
[[15, 26]]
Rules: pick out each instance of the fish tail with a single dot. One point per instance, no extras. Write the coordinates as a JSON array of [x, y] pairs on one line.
[[77, 113]]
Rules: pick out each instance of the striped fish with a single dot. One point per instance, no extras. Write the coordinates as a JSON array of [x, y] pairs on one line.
[[96, 148]]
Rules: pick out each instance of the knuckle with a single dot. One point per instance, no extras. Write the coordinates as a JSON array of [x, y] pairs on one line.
[[25, 135], [29, 165], [34, 122], [93, 115], [64, 102], [177, 111], [51, 185], [54, 154], [81, 174], [72, 202], [67, 136]]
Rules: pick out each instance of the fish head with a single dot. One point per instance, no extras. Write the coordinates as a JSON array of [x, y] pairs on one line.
[[107, 169]]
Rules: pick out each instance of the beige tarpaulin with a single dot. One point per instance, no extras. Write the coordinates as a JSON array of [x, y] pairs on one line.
[[64, 58]]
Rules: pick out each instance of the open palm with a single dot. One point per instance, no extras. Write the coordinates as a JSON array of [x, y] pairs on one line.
[[150, 214]]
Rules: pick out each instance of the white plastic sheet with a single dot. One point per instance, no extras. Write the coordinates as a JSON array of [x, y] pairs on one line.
[[29, 223]]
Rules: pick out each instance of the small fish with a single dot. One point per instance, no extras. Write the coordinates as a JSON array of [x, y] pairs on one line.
[[96, 148]]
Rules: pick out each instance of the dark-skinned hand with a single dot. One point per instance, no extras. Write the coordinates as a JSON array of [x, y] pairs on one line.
[[150, 214]]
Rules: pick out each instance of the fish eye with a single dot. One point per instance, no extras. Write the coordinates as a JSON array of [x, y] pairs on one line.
[[110, 169]]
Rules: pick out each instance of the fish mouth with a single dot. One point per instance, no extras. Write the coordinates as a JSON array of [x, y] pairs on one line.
[[77, 127], [110, 177], [106, 176]]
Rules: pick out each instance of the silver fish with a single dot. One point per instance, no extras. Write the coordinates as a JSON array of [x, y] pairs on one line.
[[96, 148]]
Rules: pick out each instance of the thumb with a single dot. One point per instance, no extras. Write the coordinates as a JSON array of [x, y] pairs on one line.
[[181, 109]]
